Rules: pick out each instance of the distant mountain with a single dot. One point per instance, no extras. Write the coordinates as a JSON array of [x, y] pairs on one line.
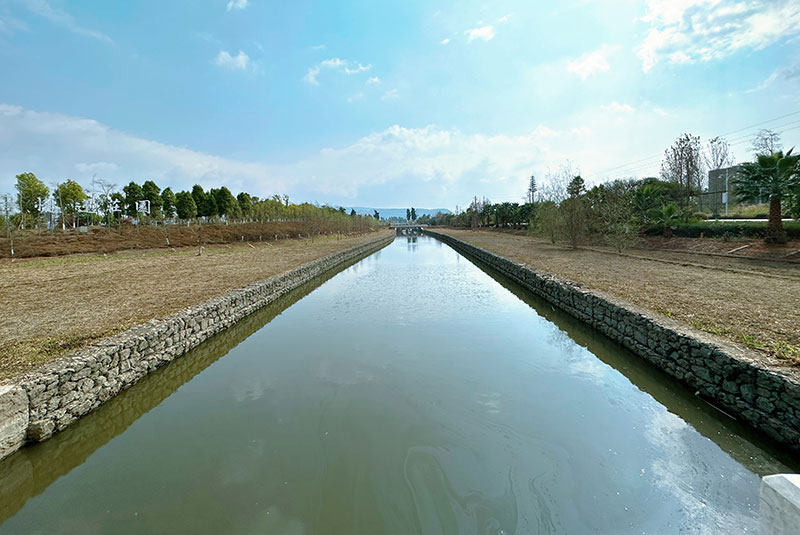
[[386, 213]]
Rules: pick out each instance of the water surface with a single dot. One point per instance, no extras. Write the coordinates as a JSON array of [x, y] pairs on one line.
[[412, 392]]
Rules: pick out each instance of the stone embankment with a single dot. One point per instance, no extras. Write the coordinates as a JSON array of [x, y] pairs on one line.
[[36, 405], [767, 396]]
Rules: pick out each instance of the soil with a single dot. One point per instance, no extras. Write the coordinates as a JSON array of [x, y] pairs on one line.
[[51, 306], [750, 302]]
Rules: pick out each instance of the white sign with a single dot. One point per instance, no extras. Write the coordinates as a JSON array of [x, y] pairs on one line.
[[143, 207], [725, 198]]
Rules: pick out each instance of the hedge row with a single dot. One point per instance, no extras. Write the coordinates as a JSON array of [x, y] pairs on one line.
[[745, 229]]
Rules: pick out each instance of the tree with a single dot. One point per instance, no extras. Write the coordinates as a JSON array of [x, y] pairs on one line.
[[168, 201], [666, 216], [408, 214], [548, 220], [618, 221], [133, 194], [106, 201], [776, 175], [718, 154], [683, 164], [352, 212], [245, 204], [532, 190], [376, 215], [766, 143], [69, 196], [185, 205], [413, 214], [31, 194], [152, 193], [226, 204], [574, 210]]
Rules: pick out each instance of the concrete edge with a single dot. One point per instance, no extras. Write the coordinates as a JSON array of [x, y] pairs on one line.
[[765, 397], [37, 404], [779, 504]]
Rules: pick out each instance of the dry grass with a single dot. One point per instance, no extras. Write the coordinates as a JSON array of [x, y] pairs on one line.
[[53, 305], [746, 302]]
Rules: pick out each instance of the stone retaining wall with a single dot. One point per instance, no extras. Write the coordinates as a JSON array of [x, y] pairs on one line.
[[38, 404], [764, 394]]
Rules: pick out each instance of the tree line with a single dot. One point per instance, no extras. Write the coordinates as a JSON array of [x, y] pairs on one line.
[[619, 210], [148, 203]]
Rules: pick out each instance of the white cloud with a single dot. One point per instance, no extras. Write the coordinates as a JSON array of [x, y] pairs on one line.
[[688, 31], [591, 62], [484, 32], [62, 18], [373, 80], [334, 64], [444, 41], [618, 108], [237, 4], [238, 62], [392, 94], [54, 146], [96, 167], [504, 18]]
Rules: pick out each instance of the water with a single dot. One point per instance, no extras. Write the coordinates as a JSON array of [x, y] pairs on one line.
[[412, 392]]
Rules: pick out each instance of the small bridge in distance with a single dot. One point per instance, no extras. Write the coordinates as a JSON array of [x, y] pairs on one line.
[[407, 229]]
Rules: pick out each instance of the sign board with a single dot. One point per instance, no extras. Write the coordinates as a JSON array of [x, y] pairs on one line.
[[725, 198]]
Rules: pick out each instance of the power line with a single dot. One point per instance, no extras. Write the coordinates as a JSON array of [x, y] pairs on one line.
[[630, 167]]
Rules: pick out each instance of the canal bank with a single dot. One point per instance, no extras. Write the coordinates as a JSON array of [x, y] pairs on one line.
[[722, 373], [38, 404]]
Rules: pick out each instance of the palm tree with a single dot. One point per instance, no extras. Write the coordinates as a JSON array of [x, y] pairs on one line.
[[777, 176], [666, 216]]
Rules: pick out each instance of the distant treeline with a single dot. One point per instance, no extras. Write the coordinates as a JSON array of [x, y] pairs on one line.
[[71, 204]]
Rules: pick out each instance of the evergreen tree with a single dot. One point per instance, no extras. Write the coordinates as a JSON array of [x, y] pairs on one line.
[[185, 205]]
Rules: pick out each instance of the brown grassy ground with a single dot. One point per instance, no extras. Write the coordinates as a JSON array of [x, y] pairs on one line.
[[748, 302], [30, 243], [49, 306]]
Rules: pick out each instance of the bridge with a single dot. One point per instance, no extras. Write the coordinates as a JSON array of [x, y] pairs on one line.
[[405, 229]]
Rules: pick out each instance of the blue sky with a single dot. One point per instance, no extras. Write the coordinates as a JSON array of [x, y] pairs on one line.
[[383, 103]]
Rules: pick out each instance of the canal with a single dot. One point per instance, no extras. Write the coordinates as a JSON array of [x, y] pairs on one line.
[[412, 392]]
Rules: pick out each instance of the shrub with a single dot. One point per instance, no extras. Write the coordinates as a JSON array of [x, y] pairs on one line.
[[710, 229]]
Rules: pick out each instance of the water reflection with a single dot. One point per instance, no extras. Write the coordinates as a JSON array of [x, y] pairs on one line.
[[411, 393]]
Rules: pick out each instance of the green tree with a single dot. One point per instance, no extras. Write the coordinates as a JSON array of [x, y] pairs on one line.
[[168, 202], [413, 214], [245, 204], [133, 194], [185, 205], [352, 212], [776, 175], [31, 192], [666, 216], [576, 187], [376, 215], [151, 192], [69, 196], [549, 222], [225, 202], [408, 214]]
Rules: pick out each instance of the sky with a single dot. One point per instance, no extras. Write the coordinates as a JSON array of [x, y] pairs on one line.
[[391, 104]]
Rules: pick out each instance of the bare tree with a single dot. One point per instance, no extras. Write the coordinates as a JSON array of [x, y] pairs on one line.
[[766, 143], [555, 183], [683, 164], [105, 201], [7, 202], [718, 154]]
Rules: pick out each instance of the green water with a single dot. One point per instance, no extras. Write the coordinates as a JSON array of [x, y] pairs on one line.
[[412, 392]]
